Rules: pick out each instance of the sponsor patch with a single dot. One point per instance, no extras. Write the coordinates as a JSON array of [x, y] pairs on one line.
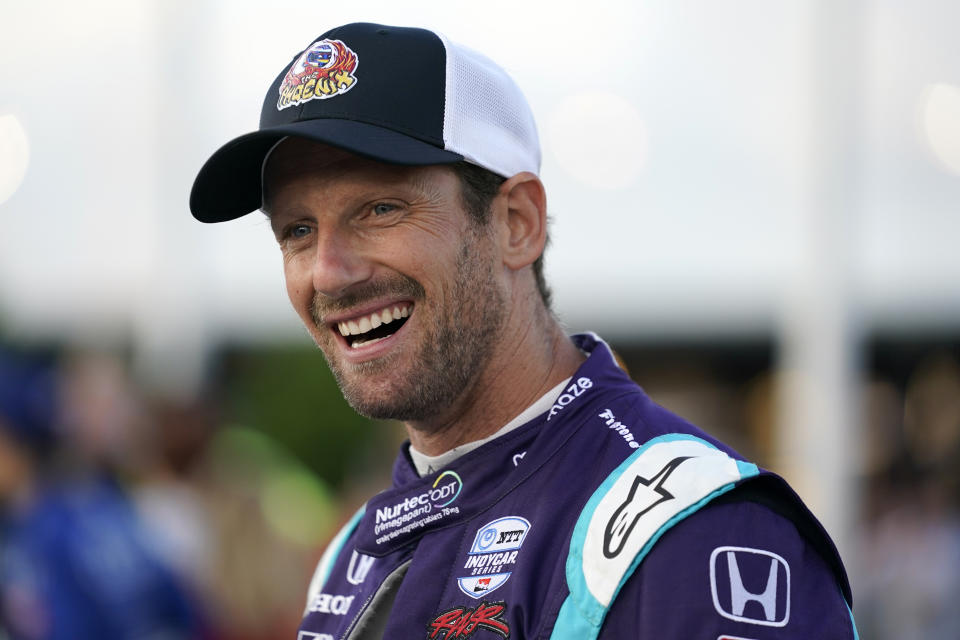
[[463, 622], [310, 635], [502, 534], [571, 393], [326, 69], [655, 485], [637, 503], [750, 585], [479, 586], [329, 603], [618, 427], [419, 510], [359, 567], [495, 548]]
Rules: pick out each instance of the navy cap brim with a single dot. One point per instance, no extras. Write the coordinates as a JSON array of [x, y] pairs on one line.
[[228, 185]]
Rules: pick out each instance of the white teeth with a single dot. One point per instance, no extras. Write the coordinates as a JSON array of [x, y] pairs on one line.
[[362, 325], [360, 343]]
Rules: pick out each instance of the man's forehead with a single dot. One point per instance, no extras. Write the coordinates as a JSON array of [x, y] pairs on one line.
[[295, 159]]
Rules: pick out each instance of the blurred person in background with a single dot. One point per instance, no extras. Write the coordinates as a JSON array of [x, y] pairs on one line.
[[541, 493], [910, 540], [75, 562], [234, 513]]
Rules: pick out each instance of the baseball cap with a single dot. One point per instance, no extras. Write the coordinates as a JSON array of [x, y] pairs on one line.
[[399, 95]]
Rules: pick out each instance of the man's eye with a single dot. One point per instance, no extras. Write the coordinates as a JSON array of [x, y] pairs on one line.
[[299, 231], [383, 209]]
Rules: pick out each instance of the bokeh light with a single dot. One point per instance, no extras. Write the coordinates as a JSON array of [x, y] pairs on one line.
[[14, 155], [940, 122]]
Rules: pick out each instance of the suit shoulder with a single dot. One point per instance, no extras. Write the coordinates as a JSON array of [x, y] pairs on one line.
[[735, 568]]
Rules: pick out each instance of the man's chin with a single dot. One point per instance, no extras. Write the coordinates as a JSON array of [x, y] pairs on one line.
[[375, 390], [380, 407]]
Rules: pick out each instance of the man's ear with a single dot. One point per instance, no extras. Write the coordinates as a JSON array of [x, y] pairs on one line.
[[523, 232]]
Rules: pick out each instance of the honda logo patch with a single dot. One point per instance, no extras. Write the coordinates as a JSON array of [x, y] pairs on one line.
[[750, 585]]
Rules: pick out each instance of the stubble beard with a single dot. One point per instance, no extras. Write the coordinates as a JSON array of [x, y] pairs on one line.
[[455, 345]]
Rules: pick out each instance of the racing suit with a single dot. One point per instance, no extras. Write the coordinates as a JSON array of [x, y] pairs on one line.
[[606, 516]]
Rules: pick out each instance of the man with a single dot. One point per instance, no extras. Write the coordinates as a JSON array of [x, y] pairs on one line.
[[541, 494]]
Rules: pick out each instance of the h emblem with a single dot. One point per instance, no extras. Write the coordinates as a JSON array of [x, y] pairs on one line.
[[750, 585]]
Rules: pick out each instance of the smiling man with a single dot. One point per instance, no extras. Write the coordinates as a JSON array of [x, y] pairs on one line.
[[408, 294], [541, 494]]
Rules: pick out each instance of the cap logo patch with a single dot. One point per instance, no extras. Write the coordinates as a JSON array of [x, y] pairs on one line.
[[326, 69]]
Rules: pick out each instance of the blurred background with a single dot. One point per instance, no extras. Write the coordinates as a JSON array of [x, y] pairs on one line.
[[755, 202]]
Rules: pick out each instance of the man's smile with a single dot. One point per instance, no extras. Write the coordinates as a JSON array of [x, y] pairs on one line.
[[374, 326]]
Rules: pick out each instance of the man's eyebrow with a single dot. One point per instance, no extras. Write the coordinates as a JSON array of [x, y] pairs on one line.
[[271, 219]]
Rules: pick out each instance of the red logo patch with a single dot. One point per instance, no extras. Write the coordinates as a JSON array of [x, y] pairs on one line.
[[326, 69], [461, 622]]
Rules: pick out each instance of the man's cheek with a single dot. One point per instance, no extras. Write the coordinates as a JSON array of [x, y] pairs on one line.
[[298, 296]]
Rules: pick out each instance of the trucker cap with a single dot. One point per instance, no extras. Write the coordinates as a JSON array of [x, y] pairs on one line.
[[399, 95]]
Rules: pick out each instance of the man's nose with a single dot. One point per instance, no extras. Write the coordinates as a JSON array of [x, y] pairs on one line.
[[338, 264]]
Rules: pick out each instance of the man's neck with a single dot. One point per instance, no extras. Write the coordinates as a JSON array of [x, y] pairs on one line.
[[524, 366]]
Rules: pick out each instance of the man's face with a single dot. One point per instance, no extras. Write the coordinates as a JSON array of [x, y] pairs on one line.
[[397, 286]]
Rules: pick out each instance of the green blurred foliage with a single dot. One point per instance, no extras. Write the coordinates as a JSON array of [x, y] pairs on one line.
[[297, 506], [288, 392]]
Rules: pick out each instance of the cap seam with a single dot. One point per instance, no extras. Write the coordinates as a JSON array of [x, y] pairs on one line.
[[446, 84]]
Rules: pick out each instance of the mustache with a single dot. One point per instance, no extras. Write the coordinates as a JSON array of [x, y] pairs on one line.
[[400, 286]]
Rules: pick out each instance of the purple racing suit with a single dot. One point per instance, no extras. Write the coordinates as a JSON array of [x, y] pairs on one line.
[[605, 517]]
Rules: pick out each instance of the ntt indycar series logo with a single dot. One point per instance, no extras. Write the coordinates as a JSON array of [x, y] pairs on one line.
[[492, 555], [421, 509]]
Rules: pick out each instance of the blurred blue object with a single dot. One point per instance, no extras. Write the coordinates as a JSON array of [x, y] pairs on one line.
[[75, 564], [28, 397], [75, 560]]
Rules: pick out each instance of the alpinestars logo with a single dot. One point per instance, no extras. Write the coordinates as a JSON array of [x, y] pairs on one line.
[[625, 518], [461, 622]]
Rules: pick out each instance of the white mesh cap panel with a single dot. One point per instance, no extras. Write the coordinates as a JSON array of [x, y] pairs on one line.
[[486, 118]]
